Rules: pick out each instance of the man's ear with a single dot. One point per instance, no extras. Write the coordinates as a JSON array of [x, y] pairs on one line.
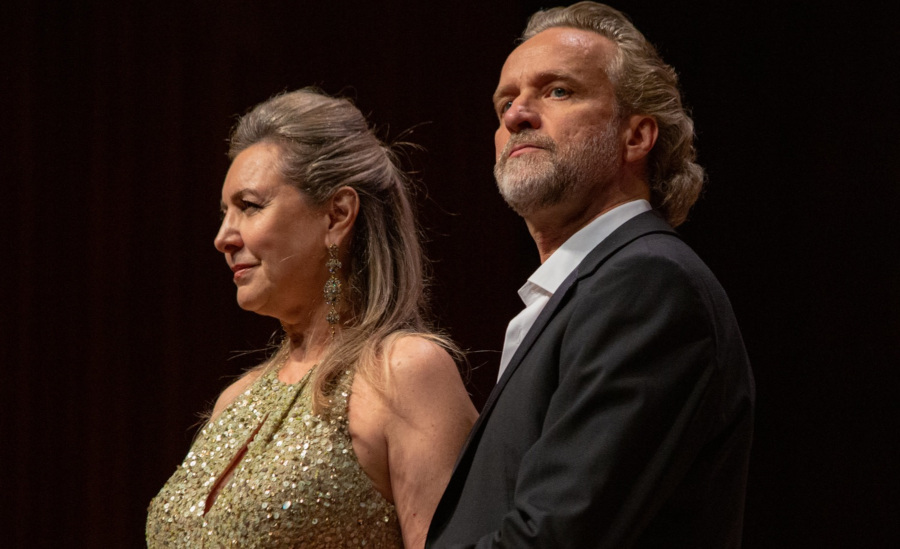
[[640, 136], [342, 207]]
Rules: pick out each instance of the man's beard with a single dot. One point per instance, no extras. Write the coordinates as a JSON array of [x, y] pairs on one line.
[[539, 179]]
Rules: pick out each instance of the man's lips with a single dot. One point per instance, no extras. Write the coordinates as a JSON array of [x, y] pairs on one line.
[[522, 149]]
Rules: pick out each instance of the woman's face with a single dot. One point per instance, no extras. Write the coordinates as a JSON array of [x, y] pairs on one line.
[[273, 240]]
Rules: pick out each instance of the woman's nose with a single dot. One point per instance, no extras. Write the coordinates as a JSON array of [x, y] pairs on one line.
[[228, 239]]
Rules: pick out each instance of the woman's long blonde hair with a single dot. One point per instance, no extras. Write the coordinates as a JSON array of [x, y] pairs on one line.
[[326, 143]]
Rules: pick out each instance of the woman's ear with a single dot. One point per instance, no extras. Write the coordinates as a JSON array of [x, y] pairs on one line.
[[640, 136], [343, 207]]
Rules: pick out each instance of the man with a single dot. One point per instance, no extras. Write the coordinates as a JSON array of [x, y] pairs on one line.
[[624, 408]]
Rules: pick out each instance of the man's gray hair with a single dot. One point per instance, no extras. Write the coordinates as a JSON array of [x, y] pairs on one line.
[[644, 84]]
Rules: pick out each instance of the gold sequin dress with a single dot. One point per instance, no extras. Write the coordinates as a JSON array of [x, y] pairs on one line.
[[299, 484]]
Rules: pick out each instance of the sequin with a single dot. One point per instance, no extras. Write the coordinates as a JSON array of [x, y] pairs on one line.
[[298, 485]]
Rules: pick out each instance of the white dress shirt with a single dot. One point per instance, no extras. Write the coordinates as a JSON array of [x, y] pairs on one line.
[[540, 286]]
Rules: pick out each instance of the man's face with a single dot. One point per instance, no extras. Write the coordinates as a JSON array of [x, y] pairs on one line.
[[559, 134]]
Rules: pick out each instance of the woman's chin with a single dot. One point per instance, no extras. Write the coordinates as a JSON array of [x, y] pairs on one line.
[[258, 307], [249, 303]]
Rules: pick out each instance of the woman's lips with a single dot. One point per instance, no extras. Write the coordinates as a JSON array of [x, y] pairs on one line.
[[241, 270]]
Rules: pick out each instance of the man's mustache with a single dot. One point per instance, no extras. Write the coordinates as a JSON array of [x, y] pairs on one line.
[[527, 137]]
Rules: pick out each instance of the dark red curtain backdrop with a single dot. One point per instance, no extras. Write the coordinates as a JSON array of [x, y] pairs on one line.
[[118, 318]]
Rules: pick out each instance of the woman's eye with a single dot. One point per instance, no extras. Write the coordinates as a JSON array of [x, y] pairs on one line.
[[247, 205]]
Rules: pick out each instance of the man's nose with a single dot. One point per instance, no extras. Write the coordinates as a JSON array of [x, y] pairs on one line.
[[521, 115]]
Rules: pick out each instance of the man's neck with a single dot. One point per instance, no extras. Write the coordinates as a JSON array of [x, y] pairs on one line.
[[552, 226], [550, 236]]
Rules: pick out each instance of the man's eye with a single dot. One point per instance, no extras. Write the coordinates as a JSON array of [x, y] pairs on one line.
[[559, 92], [505, 106]]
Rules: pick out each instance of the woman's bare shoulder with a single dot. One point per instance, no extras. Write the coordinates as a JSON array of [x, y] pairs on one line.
[[411, 353], [421, 371]]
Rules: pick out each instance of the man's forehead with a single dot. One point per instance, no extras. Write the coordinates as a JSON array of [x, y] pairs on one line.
[[557, 50], [563, 41]]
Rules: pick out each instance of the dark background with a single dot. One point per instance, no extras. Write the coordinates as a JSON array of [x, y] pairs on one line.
[[118, 318]]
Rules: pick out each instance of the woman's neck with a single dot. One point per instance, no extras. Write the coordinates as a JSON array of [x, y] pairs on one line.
[[306, 347]]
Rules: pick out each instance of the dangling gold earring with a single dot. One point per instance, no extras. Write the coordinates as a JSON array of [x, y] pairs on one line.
[[333, 287]]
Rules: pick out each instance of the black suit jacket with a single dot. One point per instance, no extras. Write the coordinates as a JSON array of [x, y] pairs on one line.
[[623, 420]]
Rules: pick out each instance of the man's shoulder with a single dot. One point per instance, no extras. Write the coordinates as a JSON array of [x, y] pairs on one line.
[[647, 254], [646, 238]]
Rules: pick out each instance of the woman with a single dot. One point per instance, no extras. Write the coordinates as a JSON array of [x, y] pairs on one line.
[[348, 434]]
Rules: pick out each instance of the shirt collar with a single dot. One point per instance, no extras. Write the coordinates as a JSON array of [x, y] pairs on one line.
[[547, 278]]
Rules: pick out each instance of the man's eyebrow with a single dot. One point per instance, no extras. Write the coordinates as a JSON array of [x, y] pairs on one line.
[[501, 92], [551, 75]]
